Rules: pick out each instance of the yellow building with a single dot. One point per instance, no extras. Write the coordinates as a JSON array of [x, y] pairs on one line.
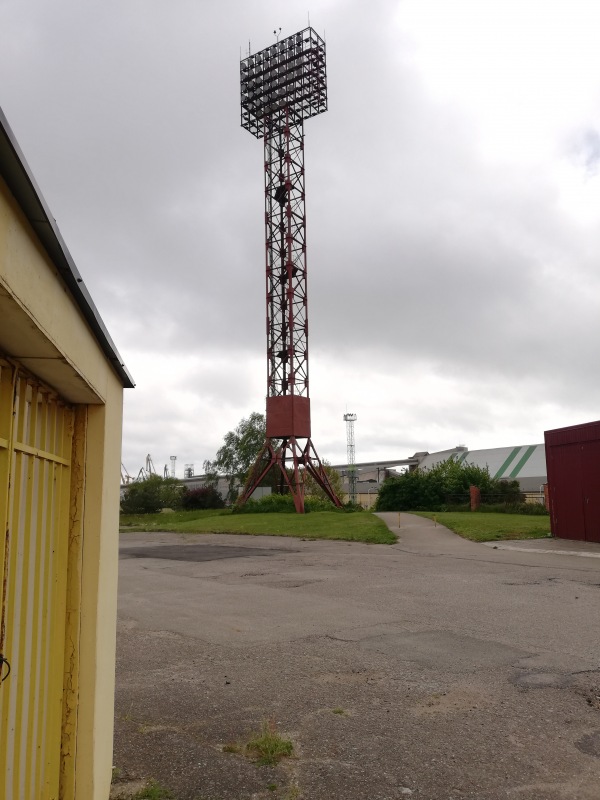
[[61, 399]]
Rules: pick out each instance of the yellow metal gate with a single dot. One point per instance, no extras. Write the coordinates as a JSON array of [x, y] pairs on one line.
[[36, 431]]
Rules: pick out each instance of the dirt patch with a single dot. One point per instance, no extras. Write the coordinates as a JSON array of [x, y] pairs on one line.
[[454, 701]]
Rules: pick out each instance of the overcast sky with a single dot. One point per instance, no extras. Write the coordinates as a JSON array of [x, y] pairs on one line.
[[453, 211]]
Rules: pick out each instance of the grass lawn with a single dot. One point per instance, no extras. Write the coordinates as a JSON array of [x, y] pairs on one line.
[[483, 527], [357, 527]]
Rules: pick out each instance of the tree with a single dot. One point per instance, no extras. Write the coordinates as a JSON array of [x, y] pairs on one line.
[[152, 494], [237, 454], [312, 488], [204, 497]]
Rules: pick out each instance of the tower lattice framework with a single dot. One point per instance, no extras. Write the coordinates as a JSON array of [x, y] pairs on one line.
[[281, 86], [350, 419]]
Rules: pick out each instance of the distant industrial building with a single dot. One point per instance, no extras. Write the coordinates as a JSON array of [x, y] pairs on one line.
[[524, 463]]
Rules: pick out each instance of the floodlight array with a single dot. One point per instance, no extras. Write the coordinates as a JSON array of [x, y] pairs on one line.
[[289, 75]]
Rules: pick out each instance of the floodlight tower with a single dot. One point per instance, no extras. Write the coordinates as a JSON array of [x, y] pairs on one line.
[[281, 86], [350, 420]]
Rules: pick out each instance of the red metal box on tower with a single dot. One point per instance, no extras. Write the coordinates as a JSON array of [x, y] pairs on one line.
[[288, 415]]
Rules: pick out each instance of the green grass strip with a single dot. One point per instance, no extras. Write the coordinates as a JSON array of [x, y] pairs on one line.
[[484, 527], [356, 527]]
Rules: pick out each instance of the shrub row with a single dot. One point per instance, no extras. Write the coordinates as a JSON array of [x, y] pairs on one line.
[[155, 493], [532, 509], [434, 489], [284, 503]]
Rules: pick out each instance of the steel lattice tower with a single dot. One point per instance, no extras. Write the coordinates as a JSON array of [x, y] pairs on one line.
[[281, 86], [350, 419]]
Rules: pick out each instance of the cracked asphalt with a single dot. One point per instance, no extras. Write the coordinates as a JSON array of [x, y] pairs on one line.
[[434, 668]]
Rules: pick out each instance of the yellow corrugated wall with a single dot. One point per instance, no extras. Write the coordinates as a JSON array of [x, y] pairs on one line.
[[36, 432]]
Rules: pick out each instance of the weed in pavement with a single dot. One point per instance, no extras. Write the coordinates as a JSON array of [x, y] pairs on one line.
[[268, 747], [293, 793], [153, 791]]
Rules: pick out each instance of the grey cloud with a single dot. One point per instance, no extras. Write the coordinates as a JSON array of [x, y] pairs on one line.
[[422, 256], [585, 149]]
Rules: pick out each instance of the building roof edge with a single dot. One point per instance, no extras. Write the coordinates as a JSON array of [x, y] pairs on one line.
[[19, 178]]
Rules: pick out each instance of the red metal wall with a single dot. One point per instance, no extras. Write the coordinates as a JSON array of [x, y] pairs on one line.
[[288, 415], [573, 463]]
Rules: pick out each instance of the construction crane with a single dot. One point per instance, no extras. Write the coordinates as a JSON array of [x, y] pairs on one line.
[[126, 478], [170, 472], [147, 470]]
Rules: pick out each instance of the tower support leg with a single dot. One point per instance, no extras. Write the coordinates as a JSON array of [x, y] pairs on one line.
[[291, 462]]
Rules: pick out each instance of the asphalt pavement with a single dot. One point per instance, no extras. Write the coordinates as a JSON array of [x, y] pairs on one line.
[[434, 668]]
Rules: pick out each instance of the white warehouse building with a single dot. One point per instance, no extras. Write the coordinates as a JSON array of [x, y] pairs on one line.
[[524, 463]]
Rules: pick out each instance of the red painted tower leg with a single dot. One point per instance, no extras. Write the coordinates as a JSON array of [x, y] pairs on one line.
[[281, 86], [300, 460]]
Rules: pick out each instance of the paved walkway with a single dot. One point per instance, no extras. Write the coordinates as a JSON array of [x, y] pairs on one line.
[[435, 668], [407, 525], [560, 547]]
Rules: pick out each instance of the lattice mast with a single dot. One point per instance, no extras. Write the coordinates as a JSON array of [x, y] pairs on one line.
[[350, 420], [281, 86]]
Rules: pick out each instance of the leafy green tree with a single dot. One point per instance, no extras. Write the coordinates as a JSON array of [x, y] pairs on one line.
[[152, 494], [312, 488], [237, 454], [171, 492]]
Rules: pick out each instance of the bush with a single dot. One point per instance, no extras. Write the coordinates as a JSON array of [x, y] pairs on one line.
[[351, 507], [283, 504], [313, 489], [535, 509], [269, 504], [532, 509], [455, 507], [204, 497], [445, 487], [151, 495]]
